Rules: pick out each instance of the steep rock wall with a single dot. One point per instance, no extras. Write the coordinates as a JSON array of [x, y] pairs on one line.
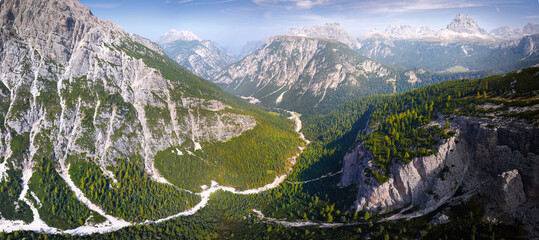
[[479, 159]]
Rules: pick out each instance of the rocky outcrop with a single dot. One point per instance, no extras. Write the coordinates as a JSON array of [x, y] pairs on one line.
[[498, 162], [511, 192], [426, 181]]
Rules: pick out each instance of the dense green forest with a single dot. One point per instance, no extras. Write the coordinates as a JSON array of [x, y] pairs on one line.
[[250, 160], [134, 196], [11, 186], [11, 207], [56, 203], [265, 150]]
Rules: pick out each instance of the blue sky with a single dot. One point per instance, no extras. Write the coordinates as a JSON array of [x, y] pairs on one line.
[[231, 23]]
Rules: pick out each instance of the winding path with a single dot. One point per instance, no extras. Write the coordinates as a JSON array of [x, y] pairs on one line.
[[113, 223], [316, 179]]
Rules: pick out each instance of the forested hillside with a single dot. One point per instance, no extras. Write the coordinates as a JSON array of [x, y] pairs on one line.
[[321, 201]]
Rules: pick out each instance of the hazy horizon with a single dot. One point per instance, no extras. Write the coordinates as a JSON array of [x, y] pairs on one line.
[[231, 23]]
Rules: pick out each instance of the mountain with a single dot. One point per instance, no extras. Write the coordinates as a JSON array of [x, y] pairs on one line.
[[204, 58], [332, 31], [461, 29], [99, 128], [506, 32], [530, 29], [174, 35], [462, 46], [102, 136], [312, 75], [440, 57]]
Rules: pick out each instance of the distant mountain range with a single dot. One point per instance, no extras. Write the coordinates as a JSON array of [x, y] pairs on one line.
[[332, 31], [461, 29], [311, 68], [462, 46], [311, 75], [203, 57]]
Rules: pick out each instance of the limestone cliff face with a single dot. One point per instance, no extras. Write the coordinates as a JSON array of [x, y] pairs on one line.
[[499, 162], [426, 181], [75, 84]]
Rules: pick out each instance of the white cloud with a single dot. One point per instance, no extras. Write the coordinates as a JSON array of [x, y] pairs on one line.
[[377, 6], [412, 6], [532, 17], [292, 4]]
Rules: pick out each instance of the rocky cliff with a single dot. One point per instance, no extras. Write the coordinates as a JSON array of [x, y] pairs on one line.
[[496, 159]]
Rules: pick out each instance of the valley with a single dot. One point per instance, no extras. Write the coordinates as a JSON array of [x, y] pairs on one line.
[[305, 132], [112, 223]]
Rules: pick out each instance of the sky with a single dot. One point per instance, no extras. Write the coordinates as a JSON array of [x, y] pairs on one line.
[[231, 23]]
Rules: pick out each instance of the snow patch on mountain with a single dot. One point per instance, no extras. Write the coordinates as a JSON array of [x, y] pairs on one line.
[[174, 35], [332, 31], [462, 28], [394, 32]]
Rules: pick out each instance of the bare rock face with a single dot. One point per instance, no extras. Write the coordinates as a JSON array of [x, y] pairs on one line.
[[511, 194], [78, 85], [499, 163], [426, 182]]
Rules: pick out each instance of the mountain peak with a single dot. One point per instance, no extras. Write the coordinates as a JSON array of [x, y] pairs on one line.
[[465, 24], [531, 28], [175, 35]]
